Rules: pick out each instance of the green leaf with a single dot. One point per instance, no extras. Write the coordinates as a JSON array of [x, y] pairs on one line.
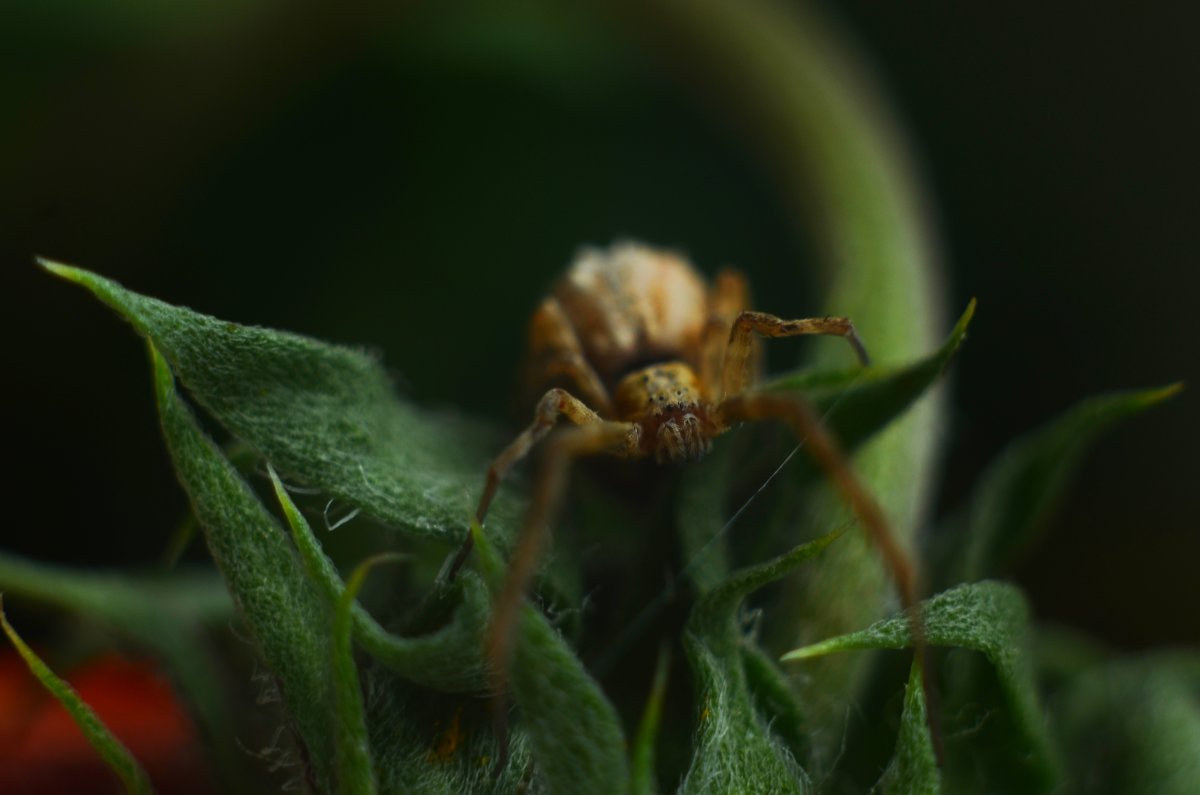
[[448, 659], [856, 404], [832, 150], [700, 516], [1019, 490], [430, 744], [987, 617], [914, 767], [735, 748], [719, 607], [126, 600], [1133, 725], [775, 698], [112, 750], [573, 730], [642, 780], [322, 414], [355, 773], [1062, 652], [850, 587], [165, 616], [285, 614]]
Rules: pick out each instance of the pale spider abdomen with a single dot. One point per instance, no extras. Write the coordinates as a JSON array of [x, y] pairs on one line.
[[630, 305]]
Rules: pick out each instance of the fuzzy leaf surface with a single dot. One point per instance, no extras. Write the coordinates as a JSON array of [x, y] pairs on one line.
[[856, 405], [355, 768], [913, 769], [574, 731], [323, 414], [987, 617], [448, 659], [735, 747], [432, 743], [282, 608]]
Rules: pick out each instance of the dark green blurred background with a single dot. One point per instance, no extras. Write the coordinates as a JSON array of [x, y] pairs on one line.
[[412, 178]]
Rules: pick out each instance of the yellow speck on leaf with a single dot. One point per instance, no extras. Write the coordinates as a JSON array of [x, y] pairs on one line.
[[449, 741]]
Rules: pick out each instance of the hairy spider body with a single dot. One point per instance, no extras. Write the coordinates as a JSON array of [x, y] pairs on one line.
[[616, 308], [643, 358], [666, 403], [624, 329]]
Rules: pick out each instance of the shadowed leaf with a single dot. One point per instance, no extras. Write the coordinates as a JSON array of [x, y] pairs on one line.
[[642, 781], [735, 750], [987, 617], [857, 404], [735, 747], [774, 697], [700, 516], [573, 730], [449, 659], [1133, 725], [165, 615], [112, 750], [1019, 490], [284, 611], [914, 767], [355, 772], [323, 414]]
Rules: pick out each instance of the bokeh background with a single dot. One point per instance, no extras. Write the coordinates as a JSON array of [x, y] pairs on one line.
[[411, 177]]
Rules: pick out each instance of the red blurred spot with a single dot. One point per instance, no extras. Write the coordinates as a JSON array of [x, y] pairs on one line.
[[43, 751]]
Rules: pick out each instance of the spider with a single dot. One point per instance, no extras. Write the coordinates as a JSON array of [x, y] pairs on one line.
[[659, 364]]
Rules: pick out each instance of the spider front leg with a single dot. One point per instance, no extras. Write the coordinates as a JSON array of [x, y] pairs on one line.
[[736, 375], [728, 297], [615, 438], [555, 352], [798, 413], [554, 404], [621, 439]]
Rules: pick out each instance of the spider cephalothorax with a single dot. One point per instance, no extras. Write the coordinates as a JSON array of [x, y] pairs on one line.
[[665, 400]]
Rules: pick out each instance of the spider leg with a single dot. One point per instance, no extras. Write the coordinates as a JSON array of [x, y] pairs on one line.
[[736, 376], [556, 352], [554, 404], [728, 297], [617, 438], [798, 413]]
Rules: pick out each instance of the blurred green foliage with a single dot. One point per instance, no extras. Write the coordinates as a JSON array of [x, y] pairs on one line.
[[412, 179]]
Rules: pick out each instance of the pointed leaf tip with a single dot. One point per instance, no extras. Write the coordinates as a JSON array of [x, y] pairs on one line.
[[114, 753], [353, 756], [62, 270], [1164, 393], [1010, 506], [967, 315], [808, 652], [958, 333], [323, 413]]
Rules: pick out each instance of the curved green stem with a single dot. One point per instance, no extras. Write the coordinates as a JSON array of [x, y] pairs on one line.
[[780, 75]]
